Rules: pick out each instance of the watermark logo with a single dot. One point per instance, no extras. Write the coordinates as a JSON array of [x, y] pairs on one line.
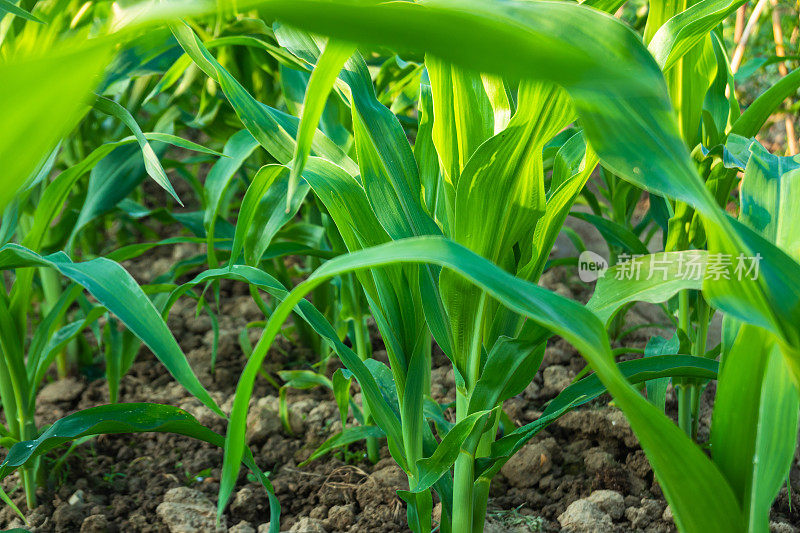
[[692, 265], [591, 266]]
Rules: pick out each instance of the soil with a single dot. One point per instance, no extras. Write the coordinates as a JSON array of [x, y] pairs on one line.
[[585, 471]]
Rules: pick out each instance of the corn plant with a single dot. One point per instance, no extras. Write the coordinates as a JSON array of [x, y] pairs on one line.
[[65, 70], [443, 241], [407, 441], [405, 216]]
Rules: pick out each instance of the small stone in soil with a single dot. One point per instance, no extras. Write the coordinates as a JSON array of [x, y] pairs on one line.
[[609, 501], [61, 391], [341, 517], [308, 525], [242, 527], [186, 510], [585, 516], [95, 523], [533, 461]]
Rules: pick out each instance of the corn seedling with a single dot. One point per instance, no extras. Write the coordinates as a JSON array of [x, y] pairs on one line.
[[669, 171], [423, 191], [66, 74]]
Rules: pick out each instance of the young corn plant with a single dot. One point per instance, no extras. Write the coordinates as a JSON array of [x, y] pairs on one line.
[[61, 74], [704, 96], [384, 203], [409, 347]]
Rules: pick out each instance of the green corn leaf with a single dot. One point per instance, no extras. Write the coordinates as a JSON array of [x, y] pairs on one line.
[[117, 174], [504, 181], [426, 156], [263, 213], [462, 438], [56, 344], [118, 292], [322, 79], [657, 388], [705, 504], [772, 299], [151, 162], [574, 163], [648, 369], [412, 416], [723, 109], [614, 234], [179, 67], [776, 441], [769, 193], [754, 117], [341, 393], [685, 30], [7, 6], [273, 130], [238, 148], [127, 418], [609, 6], [653, 278], [510, 367], [350, 208], [755, 391], [43, 97], [463, 117], [304, 379], [48, 326], [345, 437]]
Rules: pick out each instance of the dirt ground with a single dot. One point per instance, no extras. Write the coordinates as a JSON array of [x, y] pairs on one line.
[[585, 472]]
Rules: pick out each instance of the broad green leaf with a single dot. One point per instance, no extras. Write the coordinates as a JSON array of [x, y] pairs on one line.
[[118, 292], [322, 79], [776, 441], [652, 278], [762, 286], [151, 162], [685, 30], [463, 117], [705, 504], [504, 182], [264, 210], [754, 117], [463, 438], [10, 7], [127, 418], [754, 391], [657, 388], [510, 367], [57, 342], [238, 148], [769, 198], [647, 369], [341, 393], [574, 163], [426, 156], [43, 97]]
